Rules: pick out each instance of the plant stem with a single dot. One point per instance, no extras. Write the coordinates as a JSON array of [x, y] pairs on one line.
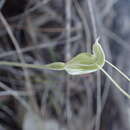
[[114, 82], [6, 63], [125, 76]]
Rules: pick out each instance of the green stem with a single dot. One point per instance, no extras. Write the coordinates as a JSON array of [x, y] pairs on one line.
[[114, 82], [6, 63], [125, 76]]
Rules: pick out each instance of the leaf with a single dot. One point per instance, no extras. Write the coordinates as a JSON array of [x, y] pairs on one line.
[[55, 66], [85, 62]]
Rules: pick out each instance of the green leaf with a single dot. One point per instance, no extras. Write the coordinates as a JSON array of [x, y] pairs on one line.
[[55, 66], [85, 62]]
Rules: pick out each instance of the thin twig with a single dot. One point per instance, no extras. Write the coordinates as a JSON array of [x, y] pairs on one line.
[[15, 94], [40, 46], [18, 50], [68, 56]]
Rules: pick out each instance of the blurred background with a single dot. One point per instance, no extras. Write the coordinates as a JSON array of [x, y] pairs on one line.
[[45, 31]]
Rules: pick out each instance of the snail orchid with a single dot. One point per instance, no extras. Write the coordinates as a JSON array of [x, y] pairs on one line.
[[83, 63]]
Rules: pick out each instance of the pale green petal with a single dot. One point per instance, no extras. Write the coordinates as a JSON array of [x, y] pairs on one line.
[[99, 54], [85, 62]]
